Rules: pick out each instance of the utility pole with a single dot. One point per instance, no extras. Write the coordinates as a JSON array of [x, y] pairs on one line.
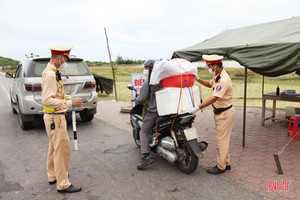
[[112, 66]]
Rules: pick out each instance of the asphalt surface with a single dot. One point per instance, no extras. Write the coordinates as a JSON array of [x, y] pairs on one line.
[[104, 166]]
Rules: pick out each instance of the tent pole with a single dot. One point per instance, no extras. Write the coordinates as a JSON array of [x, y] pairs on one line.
[[245, 96], [263, 86]]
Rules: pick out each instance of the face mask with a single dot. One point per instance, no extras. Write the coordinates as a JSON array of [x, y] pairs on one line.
[[62, 66], [211, 71], [146, 72]]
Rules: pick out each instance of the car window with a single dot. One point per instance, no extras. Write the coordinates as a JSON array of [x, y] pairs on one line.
[[76, 68], [73, 68], [18, 71], [36, 68]]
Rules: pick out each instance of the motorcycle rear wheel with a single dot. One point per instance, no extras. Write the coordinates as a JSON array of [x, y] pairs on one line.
[[190, 163]]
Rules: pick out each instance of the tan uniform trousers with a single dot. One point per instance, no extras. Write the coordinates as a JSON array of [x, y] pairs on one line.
[[59, 151], [224, 123]]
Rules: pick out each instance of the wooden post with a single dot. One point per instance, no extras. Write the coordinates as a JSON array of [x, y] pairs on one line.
[[263, 86], [263, 106], [112, 67], [245, 105]]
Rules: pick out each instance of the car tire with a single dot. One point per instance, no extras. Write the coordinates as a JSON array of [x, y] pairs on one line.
[[86, 117], [24, 125], [14, 111]]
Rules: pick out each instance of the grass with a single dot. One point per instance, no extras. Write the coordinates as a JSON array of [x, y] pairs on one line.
[[254, 84]]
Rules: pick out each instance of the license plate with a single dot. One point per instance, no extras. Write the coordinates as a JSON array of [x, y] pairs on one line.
[[191, 133]]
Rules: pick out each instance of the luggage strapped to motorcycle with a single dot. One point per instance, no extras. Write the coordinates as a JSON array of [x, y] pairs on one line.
[[180, 96], [180, 101]]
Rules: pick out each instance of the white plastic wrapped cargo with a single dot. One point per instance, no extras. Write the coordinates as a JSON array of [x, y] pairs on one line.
[[164, 68], [168, 100]]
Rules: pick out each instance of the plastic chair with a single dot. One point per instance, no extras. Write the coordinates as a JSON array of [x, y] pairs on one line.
[[294, 131]]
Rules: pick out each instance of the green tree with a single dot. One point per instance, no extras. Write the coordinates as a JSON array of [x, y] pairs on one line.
[[120, 60]]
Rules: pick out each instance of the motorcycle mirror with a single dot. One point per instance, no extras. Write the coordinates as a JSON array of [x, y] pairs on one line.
[[130, 87]]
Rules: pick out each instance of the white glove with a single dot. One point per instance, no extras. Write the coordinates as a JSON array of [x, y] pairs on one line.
[[196, 78], [194, 110]]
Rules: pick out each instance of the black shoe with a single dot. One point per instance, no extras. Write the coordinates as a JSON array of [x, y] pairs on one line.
[[228, 167], [215, 170], [145, 162], [52, 182], [70, 189]]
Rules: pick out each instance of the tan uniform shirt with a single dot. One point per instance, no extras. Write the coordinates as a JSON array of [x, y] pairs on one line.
[[223, 90], [53, 92]]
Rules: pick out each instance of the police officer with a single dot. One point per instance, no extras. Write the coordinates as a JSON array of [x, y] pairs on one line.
[[147, 94], [221, 101], [55, 104]]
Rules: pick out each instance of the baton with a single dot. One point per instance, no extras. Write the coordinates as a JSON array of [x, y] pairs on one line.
[[276, 156], [200, 96], [74, 130]]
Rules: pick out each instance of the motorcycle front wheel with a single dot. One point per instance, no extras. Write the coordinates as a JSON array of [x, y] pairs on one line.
[[190, 162], [136, 137]]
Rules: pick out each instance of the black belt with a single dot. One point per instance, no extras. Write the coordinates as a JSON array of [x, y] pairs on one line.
[[218, 111], [63, 113]]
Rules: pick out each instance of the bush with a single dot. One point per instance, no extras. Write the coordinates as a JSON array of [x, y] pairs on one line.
[[95, 63], [8, 63], [120, 61]]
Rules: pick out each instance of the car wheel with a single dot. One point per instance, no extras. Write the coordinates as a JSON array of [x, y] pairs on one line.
[[86, 117], [14, 111], [24, 125]]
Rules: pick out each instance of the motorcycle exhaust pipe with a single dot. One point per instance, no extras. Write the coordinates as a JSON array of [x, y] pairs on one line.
[[169, 156], [203, 145]]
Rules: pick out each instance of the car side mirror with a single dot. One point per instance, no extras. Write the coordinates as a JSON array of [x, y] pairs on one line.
[[9, 75], [130, 87]]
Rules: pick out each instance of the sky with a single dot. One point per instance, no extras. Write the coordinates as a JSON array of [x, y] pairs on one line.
[[137, 29]]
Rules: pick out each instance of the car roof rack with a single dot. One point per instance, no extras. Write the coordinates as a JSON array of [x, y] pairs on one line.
[[32, 56]]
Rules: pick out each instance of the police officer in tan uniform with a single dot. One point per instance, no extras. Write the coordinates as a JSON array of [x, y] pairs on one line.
[[221, 101], [55, 104]]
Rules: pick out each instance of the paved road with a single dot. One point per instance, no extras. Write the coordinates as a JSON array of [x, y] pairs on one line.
[[105, 166]]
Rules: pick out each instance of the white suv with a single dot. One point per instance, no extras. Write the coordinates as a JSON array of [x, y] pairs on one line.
[[25, 91]]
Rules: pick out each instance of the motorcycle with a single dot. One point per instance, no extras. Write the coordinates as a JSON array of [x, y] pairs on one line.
[[172, 137]]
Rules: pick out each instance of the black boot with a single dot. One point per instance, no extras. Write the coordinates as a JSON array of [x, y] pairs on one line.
[[215, 170], [70, 189], [52, 182]]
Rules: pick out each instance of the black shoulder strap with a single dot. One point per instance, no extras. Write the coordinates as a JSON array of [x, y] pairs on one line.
[[58, 76], [218, 77]]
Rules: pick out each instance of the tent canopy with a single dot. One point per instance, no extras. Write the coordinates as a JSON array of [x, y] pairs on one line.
[[103, 84], [269, 49]]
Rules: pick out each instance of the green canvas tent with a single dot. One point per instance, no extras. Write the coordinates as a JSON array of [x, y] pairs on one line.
[[269, 49], [103, 84]]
